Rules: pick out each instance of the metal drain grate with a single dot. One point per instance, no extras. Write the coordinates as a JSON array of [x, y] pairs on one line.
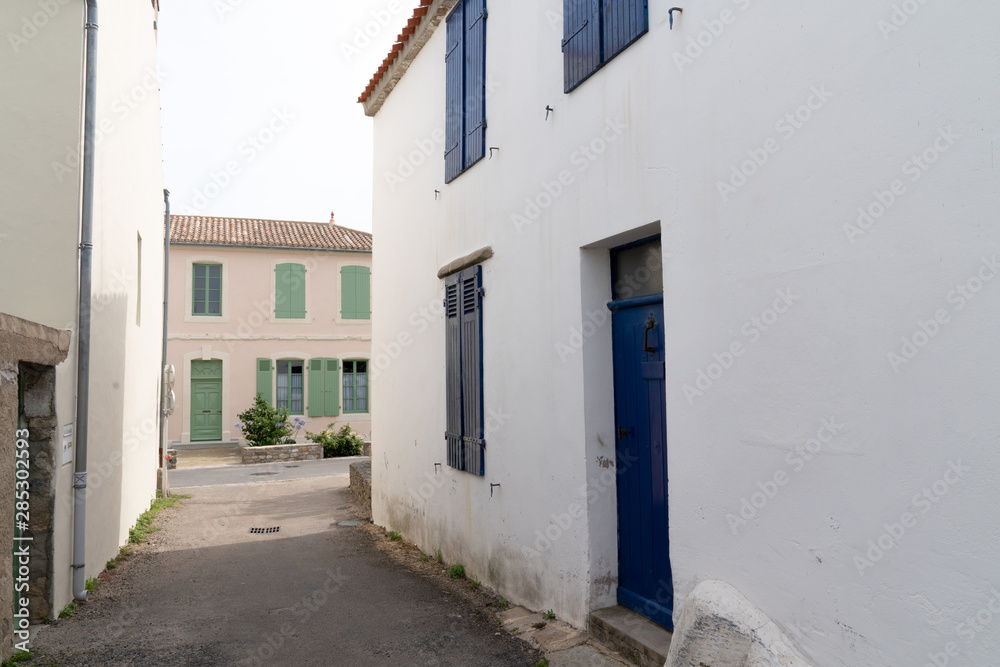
[[256, 474], [263, 531]]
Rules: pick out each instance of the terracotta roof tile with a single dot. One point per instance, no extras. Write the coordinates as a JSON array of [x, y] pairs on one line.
[[204, 230], [411, 27]]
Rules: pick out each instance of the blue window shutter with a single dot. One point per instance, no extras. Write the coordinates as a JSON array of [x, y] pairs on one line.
[[470, 302], [454, 98], [581, 43], [624, 22], [453, 373], [475, 81]]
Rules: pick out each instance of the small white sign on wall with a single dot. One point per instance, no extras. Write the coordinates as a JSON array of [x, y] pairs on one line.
[[67, 444]]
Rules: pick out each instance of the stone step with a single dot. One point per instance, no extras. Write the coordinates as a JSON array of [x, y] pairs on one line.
[[218, 444], [634, 637]]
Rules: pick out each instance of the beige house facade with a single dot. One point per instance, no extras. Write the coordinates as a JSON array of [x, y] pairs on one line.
[[278, 308], [42, 109]]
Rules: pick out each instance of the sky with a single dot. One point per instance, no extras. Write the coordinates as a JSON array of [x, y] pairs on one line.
[[260, 114]]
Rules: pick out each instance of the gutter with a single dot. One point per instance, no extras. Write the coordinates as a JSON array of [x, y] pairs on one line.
[[163, 356], [272, 247], [86, 287]]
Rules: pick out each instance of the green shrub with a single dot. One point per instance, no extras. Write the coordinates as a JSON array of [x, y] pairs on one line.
[[343, 442], [264, 425], [456, 571], [91, 584]]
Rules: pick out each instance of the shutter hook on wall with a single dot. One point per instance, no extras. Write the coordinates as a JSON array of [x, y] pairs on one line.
[[491, 488], [548, 110], [436, 194], [494, 148], [671, 12], [436, 466]]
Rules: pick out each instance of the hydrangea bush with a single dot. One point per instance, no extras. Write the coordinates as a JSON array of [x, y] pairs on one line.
[[343, 442], [264, 425]]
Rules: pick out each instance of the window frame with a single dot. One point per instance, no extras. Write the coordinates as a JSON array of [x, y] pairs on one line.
[[277, 387], [465, 390], [205, 258], [344, 374]]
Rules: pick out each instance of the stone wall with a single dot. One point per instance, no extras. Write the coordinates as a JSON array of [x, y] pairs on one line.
[[361, 484], [298, 452]]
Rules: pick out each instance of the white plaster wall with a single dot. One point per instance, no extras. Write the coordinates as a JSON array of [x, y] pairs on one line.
[[42, 110], [724, 263]]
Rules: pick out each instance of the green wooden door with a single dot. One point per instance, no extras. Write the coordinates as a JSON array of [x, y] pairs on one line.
[[206, 400]]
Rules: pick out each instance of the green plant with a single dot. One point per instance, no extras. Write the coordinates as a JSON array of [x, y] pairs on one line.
[[17, 658], [549, 615], [424, 558], [342, 442], [264, 425], [437, 556], [111, 564], [144, 527], [544, 662], [456, 571], [69, 609], [503, 604], [394, 536], [91, 584], [474, 583]]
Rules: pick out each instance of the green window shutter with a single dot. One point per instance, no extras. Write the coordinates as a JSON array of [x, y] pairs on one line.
[[199, 289], [364, 298], [332, 393], [316, 394], [264, 378], [348, 293], [289, 291]]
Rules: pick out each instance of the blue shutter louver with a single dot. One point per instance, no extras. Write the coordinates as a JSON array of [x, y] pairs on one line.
[[453, 363], [581, 43], [454, 99], [472, 371], [624, 22], [475, 81]]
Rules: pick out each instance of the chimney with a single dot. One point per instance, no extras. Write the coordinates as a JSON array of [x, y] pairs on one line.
[[331, 218]]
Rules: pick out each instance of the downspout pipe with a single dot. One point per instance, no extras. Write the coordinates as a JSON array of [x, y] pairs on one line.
[[163, 355], [86, 287]]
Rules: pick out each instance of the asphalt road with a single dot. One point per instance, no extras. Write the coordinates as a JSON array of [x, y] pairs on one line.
[[206, 591]]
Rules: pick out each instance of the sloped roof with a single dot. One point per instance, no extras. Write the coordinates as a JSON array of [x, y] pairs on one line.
[[204, 230]]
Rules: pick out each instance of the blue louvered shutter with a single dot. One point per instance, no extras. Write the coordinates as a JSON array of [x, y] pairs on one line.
[[581, 43], [454, 98], [475, 81], [470, 302], [453, 373], [624, 22]]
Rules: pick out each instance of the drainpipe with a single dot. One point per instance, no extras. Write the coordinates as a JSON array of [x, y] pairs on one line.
[[83, 330], [163, 355]]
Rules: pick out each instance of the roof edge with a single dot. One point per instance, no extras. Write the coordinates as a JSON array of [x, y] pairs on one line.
[[270, 247], [402, 54]]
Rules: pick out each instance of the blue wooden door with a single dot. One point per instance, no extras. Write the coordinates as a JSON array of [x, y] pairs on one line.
[[645, 584]]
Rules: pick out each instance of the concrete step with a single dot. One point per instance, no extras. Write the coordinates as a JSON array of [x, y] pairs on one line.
[[218, 444], [634, 637]]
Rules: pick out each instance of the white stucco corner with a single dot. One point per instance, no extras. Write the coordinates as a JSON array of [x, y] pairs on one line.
[[718, 626]]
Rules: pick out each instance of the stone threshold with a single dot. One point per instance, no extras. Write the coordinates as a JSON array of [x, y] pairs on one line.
[[210, 444], [634, 637]]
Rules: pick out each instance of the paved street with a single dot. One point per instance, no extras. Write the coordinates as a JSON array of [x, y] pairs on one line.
[[206, 591]]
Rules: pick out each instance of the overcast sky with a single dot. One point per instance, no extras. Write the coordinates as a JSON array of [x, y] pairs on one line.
[[260, 113]]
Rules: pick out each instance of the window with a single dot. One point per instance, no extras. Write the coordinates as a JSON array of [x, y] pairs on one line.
[[290, 291], [289, 387], [324, 387], [465, 86], [355, 293], [464, 361], [355, 386], [207, 295], [595, 31]]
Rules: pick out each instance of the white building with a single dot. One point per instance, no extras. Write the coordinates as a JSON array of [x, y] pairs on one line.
[[818, 189], [42, 76]]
